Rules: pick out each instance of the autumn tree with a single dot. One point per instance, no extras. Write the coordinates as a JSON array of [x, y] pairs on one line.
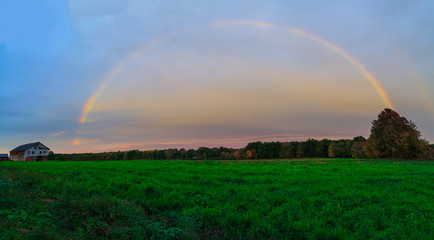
[[237, 155], [430, 152], [393, 136], [357, 149], [251, 154]]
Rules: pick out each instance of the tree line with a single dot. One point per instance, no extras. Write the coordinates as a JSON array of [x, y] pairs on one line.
[[312, 148], [392, 136]]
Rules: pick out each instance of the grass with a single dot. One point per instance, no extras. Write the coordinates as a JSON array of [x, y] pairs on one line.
[[276, 199]]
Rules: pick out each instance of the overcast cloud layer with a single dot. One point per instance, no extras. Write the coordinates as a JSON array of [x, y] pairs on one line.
[[184, 80]]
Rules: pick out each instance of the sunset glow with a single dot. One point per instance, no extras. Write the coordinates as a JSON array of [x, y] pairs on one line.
[[330, 45], [135, 75]]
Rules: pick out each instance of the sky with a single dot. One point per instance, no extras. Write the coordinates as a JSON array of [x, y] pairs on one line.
[[109, 75]]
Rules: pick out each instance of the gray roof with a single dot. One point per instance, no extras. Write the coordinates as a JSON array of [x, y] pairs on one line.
[[24, 147]]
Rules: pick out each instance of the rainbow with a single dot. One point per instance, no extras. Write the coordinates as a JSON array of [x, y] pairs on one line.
[[425, 94], [105, 82], [118, 68], [380, 90]]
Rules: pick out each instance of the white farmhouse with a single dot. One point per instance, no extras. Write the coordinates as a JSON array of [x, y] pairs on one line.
[[30, 152]]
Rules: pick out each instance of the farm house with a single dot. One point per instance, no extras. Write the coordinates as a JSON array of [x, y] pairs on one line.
[[4, 157], [30, 152]]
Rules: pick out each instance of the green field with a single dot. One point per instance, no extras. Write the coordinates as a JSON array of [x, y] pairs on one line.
[[286, 199]]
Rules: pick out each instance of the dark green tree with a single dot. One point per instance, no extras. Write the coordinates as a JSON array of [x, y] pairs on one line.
[[340, 149], [325, 144], [393, 136], [311, 148], [51, 156], [300, 150], [287, 150]]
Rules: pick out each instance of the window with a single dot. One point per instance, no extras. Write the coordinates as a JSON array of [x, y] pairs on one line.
[[28, 152], [35, 147], [45, 151], [40, 152], [33, 152]]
